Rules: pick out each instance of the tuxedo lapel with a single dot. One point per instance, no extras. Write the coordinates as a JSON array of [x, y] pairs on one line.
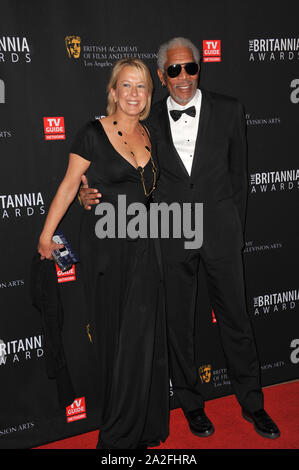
[[205, 113], [166, 131]]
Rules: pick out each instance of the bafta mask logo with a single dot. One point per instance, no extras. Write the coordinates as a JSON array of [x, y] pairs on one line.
[[73, 46], [88, 332], [205, 373]]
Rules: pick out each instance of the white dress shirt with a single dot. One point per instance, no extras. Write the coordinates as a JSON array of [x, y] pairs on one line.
[[184, 130]]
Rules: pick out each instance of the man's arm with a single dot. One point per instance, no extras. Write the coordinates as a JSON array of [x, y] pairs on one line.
[[238, 162], [88, 196]]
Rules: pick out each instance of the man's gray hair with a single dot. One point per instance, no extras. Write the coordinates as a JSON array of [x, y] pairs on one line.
[[176, 42]]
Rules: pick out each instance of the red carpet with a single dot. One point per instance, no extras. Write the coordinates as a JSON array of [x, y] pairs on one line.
[[231, 430]]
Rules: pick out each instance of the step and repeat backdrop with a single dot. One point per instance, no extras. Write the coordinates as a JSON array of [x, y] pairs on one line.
[[55, 61]]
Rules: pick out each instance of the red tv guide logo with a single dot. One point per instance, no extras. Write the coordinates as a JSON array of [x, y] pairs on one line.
[[65, 276], [76, 411], [54, 128], [212, 50]]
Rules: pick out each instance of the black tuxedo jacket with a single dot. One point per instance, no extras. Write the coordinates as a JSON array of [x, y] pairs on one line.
[[219, 172]]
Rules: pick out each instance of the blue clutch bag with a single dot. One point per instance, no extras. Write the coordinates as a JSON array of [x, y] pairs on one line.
[[64, 257]]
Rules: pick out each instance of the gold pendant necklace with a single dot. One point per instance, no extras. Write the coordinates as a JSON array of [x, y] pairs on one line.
[[140, 168]]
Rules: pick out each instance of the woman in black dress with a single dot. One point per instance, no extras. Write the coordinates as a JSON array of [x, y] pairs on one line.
[[122, 274]]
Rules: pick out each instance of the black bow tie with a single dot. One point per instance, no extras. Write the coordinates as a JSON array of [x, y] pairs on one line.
[[176, 113]]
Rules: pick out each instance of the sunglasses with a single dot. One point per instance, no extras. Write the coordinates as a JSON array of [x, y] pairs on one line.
[[174, 70]]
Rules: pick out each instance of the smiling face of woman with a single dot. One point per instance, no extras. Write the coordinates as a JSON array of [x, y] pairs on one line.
[[131, 93]]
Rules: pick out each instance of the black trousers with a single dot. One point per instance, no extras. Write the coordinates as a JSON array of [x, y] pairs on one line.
[[225, 280]]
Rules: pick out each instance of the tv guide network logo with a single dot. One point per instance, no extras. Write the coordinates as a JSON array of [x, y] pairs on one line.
[[54, 128], [211, 50], [65, 276], [77, 410]]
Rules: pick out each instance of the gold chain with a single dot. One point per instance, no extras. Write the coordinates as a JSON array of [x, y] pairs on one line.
[[140, 168]]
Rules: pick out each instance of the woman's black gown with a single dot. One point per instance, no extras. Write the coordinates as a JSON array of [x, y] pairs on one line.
[[125, 300]]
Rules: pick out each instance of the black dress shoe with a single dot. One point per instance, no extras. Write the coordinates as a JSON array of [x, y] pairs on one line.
[[199, 423], [262, 423]]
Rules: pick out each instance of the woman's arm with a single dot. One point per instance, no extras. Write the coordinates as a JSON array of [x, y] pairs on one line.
[[64, 196]]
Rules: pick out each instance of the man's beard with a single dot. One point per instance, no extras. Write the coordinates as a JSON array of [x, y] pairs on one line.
[[180, 100]]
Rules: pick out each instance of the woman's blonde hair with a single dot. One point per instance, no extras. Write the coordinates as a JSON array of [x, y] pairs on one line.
[[117, 68]]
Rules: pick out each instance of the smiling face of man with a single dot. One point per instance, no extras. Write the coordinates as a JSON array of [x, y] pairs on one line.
[[183, 87]]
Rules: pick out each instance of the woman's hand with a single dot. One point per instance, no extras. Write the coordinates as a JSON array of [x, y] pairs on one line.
[[46, 246]]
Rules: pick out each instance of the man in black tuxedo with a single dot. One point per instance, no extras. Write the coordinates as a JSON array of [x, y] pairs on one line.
[[201, 148]]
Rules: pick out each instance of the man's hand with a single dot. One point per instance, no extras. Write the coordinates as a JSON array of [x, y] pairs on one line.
[[88, 196]]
